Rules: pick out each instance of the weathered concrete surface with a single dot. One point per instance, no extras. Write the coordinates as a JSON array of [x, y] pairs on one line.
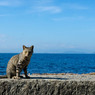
[[48, 85]]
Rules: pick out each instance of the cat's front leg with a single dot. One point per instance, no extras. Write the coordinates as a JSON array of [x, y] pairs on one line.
[[18, 68], [25, 72]]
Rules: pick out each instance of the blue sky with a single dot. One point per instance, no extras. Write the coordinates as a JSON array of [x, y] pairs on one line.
[[52, 26]]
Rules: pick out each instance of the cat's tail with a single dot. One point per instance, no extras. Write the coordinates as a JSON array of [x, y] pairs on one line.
[[3, 76]]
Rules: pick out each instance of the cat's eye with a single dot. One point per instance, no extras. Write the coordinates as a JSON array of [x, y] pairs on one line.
[[29, 53], [25, 52]]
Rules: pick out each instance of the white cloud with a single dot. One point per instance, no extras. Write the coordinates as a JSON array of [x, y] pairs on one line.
[[41, 2], [50, 9], [4, 3], [10, 3], [42, 6]]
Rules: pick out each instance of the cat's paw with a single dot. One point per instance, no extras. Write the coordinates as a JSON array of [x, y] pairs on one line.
[[15, 77]]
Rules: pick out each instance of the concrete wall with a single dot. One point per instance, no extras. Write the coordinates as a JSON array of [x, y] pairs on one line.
[[46, 87]]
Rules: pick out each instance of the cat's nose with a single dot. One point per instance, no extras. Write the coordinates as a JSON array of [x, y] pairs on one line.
[[26, 55]]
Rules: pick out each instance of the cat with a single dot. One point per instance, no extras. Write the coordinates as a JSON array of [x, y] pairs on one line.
[[18, 63]]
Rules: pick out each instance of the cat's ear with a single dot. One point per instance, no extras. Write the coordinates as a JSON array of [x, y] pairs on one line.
[[32, 47], [24, 47]]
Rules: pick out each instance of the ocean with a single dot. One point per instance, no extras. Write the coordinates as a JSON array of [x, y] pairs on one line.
[[54, 63]]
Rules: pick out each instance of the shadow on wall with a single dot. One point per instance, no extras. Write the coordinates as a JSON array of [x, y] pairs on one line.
[[47, 78]]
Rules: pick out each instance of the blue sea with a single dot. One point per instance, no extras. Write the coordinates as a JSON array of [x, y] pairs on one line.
[[54, 63]]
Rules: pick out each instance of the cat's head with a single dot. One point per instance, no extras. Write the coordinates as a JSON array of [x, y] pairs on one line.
[[27, 51]]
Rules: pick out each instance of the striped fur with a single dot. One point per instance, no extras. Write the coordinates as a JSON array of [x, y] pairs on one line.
[[19, 62]]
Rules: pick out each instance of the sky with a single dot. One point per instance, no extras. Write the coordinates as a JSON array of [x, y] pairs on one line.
[[52, 26]]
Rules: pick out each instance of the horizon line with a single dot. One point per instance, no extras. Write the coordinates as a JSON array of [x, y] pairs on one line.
[[43, 53]]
